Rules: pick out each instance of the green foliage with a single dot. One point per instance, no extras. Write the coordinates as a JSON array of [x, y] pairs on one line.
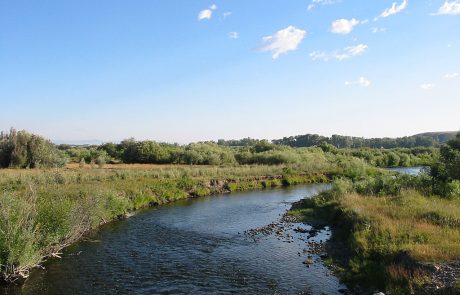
[[399, 157], [24, 150], [340, 141], [247, 142], [206, 154], [201, 191], [88, 154], [17, 233], [101, 161], [229, 153], [446, 171]]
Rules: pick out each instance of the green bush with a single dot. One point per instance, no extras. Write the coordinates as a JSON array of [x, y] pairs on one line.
[[20, 149]]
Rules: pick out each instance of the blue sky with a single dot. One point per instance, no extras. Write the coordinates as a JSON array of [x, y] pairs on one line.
[[185, 70]]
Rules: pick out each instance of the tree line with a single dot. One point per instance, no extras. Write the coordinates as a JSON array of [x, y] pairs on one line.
[[21, 149], [261, 152], [340, 141]]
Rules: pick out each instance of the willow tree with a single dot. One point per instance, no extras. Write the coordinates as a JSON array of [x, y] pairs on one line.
[[21, 149]]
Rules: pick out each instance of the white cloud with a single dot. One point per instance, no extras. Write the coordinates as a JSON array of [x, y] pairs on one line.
[[452, 8], [233, 35], [315, 3], [344, 26], [284, 40], [339, 55], [207, 13], [376, 30], [451, 76], [427, 86], [363, 82], [227, 14], [356, 50], [394, 9], [320, 55]]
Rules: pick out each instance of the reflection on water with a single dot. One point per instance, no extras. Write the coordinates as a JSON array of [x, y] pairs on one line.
[[191, 247]]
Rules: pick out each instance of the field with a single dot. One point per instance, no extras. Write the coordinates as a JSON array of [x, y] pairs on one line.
[[76, 166]]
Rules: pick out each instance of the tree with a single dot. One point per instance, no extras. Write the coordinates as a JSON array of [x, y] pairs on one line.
[[20, 149], [446, 171], [450, 157]]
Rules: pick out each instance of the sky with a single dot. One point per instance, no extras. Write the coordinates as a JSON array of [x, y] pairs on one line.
[[192, 70]]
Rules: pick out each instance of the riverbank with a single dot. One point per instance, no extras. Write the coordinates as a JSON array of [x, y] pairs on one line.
[[41, 212], [388, 235]]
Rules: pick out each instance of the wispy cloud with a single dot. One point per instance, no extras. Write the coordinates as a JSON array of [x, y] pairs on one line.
[[339, 55], [449, 8], [233, 35], [283, 41], [207, 13], [394, 9], [450, 76], [363, 82], [344, 26], [376, 30], [427, 86], [315, 3], [227, 14]]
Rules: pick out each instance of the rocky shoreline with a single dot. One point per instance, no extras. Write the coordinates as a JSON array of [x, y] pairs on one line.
[[289, 230]]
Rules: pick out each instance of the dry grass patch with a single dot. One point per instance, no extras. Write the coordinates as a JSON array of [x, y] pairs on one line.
[[427, 228]]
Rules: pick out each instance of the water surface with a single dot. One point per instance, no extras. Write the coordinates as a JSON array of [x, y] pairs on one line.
[[408, 170]]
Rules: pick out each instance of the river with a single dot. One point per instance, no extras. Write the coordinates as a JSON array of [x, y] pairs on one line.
[[408, 170], [195, 246]]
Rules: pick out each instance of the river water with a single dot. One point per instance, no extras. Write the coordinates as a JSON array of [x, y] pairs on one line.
[[195, 246], [408, 170]]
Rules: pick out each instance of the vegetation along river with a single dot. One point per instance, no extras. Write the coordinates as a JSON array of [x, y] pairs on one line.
[[196, 246]]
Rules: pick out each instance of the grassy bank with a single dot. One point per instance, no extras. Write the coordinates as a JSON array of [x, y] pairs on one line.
[[42, 211], [390, 234]]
